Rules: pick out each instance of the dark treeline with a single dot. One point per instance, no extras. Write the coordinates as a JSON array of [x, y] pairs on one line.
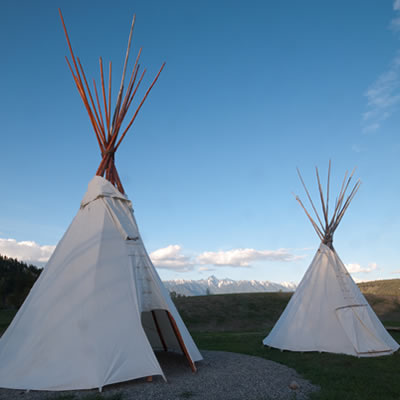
[[16, 280]]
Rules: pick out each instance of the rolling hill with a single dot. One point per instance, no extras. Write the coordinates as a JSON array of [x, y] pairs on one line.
[[382, 287]]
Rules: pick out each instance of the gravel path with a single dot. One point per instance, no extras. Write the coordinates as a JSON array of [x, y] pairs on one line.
[[221, 375]]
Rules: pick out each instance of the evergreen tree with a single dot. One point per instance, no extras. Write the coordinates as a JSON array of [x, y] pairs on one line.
[[16, 280]]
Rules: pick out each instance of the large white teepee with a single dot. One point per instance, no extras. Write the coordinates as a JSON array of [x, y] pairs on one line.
[[328, 312], [99, 308]]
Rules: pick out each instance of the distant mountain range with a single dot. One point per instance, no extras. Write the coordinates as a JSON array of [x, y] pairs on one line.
[[213, 285]]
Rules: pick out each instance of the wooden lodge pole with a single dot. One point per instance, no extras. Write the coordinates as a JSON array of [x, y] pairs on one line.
[[159, 330], [180, 340], [107, 129]]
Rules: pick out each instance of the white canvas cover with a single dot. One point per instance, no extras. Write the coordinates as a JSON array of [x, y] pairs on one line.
[[328, 313], [85, 323]]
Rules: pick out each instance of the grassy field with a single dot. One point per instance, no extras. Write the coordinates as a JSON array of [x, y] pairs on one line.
[[383, 287], [339, 376], [239, 322]]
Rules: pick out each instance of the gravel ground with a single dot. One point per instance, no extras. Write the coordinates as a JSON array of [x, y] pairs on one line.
[[221, 375]]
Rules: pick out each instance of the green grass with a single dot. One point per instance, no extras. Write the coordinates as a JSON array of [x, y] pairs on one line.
[[258, 311], [232, 312], [383, 287], [247, 318], [339, 376]]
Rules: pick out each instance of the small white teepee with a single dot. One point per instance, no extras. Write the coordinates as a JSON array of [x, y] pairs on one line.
[[328, 312], [99, 309]]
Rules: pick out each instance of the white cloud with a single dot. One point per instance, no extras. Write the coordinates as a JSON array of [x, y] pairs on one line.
[[243, 257], [26, 251], [395, 24], [371, 127], [357, 268], [396, 272], [383, 95], [359, 280], [380, 93], [171, 257], [203, 269], [357, 148]]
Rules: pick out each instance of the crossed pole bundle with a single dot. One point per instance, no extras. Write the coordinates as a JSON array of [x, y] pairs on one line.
[[325, 229], [107, 129]]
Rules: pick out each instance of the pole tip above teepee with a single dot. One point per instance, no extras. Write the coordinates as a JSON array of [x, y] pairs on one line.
[[108, 127], [326, 226]]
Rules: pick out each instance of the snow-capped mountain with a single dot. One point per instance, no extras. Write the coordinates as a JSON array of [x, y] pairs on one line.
[[213, 285]]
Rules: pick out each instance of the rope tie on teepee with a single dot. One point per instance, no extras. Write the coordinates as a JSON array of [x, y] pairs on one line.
[[107, 152], [328, 241]]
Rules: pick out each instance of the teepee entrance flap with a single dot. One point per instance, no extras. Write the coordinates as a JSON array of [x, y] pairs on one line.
[[361, 330]]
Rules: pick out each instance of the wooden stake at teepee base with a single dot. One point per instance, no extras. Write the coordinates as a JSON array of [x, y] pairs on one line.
[[180, 340], [159, 331], [107, 134]]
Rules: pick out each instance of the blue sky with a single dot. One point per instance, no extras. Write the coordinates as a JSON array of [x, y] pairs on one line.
[[251, 90]]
